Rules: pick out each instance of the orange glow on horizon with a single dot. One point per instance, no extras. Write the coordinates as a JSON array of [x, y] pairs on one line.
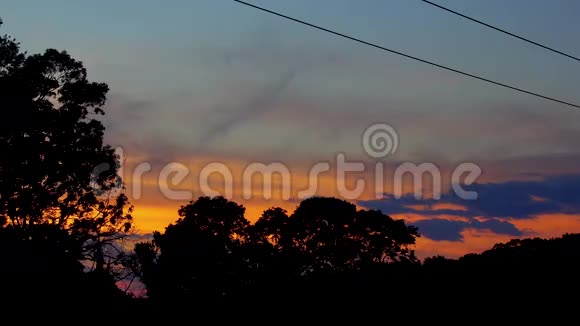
[[153, 211]]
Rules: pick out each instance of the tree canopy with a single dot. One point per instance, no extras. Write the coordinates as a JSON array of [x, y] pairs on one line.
[[58, 181], [213, 251]]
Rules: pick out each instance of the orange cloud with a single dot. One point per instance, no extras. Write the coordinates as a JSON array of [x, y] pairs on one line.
[[538, 199], [414, 217], [449, 206], [153, 211], [549, 225], [437, 207]]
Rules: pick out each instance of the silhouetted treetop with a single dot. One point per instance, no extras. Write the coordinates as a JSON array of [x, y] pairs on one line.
[[336, 236], [213, 250], [59, 182], [54, 164], [216, 216], [270, 227]]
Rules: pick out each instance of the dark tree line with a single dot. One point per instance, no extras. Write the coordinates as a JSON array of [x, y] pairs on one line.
[[328, 252]]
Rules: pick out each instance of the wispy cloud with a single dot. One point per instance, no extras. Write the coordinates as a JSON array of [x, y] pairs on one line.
[[260, 103]]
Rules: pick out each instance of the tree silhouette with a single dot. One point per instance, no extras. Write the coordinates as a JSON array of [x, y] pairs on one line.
[[198, 255], [333, 236], [213, 253], [270, 226], [55, 171]]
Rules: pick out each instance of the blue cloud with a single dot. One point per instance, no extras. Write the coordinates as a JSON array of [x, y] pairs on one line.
[[515, 199], [511, 199], [438, 229]]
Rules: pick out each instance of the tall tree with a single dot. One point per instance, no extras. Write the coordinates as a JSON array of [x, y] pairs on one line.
[[54, 168]]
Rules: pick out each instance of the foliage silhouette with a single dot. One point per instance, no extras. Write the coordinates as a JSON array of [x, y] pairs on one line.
[[329, 253], [213, 253], [59, 187], [198, 255]]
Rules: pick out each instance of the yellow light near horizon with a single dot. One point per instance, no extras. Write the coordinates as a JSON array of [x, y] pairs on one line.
[[150, 218]]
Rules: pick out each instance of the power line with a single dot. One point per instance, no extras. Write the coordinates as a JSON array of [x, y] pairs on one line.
[[407, 55], [502, 30]]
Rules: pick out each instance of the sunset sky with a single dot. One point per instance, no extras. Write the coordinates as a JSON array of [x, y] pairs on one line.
[[205, 81]]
